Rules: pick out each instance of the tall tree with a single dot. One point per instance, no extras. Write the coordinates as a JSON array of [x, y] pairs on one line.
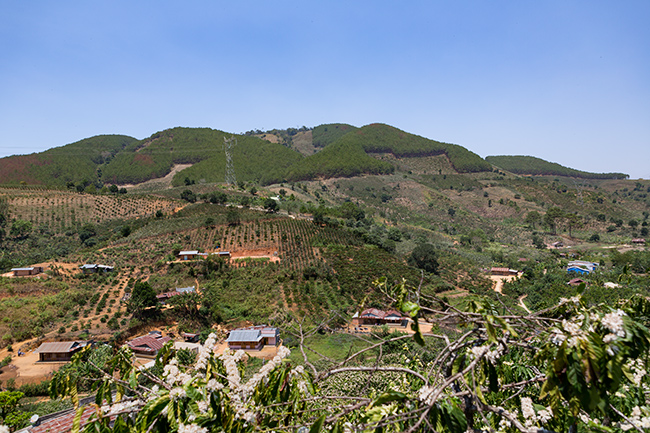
[[551, 218], [533, 217], [573, 221], [142, 297], [424, 256]]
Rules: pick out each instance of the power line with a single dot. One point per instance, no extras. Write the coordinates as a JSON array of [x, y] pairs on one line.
[[228, 144]]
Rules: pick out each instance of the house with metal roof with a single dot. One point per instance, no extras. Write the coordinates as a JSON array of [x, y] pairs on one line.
[[148, 345], [95, 268], [581, 267], [162, 297], [253, 338], [60, 350], [503, 271], [24, 272], [578, 270], [191, 255], [374, 316]]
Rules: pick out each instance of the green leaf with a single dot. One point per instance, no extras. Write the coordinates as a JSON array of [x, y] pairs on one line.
[[411, 308], [318, 425], [388, 397], [417, 336], [454, 418]]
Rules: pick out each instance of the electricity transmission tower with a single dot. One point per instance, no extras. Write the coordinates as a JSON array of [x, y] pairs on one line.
[[579, 188], [228, 144]]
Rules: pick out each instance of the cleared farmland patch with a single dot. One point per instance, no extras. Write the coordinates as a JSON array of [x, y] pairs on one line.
[[60, 209]]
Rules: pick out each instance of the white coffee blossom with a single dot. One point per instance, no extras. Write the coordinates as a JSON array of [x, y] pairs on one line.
[[574, 299], [283, 352], [614, 322], [214, 385], [557, 337], [124, 406], [425, 395], [545, 415], [504, 424], [205, 352], [638, 418], [571, 327], [531, 417], [528, 411], [478, 351], [638, 370], [177, 393], [191, 428]]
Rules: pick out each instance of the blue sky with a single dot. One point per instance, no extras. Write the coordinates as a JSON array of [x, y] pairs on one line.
[[567, 81]]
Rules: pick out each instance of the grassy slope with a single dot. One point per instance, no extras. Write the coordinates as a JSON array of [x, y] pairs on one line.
[[520, 164], [73, 162]]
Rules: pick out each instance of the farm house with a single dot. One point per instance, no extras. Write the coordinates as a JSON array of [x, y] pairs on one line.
[[24, 272], [94, 268], [503, 271], [191, 255], [148, 345], [374, 316], [60, 350], [179, 291], [254, 337]]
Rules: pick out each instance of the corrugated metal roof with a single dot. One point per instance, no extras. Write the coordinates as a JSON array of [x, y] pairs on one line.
[[63, 423], [22, 269], [57, 347], [245, 335], [147, 342], [500, 269], [185, 253]]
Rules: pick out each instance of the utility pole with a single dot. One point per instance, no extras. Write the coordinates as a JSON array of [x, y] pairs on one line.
[[228, 144]]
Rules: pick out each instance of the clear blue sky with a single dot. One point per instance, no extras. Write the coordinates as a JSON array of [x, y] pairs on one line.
[[567, 81]]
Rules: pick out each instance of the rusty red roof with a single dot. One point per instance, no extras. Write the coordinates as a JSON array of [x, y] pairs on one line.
[[63, 423], [148, 343]]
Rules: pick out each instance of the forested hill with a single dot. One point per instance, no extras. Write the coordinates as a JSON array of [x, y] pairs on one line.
[[345, 151], [254, 159], [78, 162], [531, 165], [351, 153]]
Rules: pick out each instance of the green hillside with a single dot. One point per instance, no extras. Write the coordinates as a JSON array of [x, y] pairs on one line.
[[324, 135], [520, 164], [74, 162], [340, 159], [380, 138], [350, 156], [253, 158]]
